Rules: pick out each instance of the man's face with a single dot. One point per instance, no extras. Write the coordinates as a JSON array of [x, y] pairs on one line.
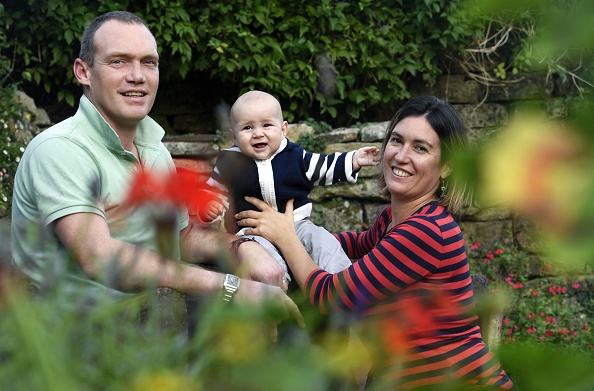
[[123, 82]]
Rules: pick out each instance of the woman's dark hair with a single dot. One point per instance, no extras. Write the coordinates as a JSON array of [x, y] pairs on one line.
[[450, 129], [87, 43]]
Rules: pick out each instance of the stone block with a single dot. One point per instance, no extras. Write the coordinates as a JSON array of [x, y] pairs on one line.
[[487, 214], [485, 115], [479, 137], [297, 130], [527, 236], [339, 215], [340, 135], [557, 108], [365, 190], [25, 100], [198, 146], [451, 88], [488, 233], [374, 131], [344, 147], [41, 118], [525, 86]]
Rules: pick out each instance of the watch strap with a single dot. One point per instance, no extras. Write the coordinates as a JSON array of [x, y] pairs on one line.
[[230, 287]]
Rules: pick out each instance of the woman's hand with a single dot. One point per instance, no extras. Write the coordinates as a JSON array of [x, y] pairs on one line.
[[279, 229], [268, 223]]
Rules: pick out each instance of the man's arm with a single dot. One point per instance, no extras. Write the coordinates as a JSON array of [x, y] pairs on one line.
[[87, 237], [252, 261]]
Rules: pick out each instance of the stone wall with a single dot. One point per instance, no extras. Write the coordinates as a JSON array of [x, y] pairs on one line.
[[353, 206], [346, 207]]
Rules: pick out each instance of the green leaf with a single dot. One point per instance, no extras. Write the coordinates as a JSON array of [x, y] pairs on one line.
[[68, 36], [70, 99]]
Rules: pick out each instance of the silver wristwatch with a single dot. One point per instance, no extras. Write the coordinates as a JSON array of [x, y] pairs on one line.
[[230, 287]]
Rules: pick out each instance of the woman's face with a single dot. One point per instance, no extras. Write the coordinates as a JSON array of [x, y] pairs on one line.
[[412, 160]]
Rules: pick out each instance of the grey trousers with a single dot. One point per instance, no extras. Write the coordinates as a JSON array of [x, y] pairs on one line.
[[320, 244]]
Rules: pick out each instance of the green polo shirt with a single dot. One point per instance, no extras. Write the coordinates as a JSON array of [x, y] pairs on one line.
[[80, 166]]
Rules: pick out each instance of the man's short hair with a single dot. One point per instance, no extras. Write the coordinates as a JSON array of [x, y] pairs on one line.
[[87, 43]]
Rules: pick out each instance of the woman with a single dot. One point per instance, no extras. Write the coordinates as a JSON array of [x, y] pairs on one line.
[[411, 279]]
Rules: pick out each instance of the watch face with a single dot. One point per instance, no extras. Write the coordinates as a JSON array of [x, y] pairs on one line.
[[231, 280]]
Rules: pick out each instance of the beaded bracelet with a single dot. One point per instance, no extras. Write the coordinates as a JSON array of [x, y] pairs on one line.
[[236, 243]]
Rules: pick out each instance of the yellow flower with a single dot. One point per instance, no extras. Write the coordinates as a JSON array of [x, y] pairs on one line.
[[163, 380], [537, 167], [242, 341]]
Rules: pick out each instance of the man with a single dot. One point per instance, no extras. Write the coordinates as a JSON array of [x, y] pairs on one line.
[[74, 177]]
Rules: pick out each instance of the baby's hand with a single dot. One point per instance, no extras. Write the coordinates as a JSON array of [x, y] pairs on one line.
[[366, 156], [211, 211]]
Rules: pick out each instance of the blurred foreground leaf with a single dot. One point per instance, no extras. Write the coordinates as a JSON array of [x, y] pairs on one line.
[[535, 368]]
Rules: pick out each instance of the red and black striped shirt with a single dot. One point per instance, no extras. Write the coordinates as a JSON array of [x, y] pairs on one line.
[[412, 287]]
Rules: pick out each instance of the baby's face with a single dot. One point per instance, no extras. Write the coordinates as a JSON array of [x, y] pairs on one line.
[[258, 128]]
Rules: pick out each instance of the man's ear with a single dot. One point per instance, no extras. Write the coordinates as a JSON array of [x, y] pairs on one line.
[[446, 170], [81, 72]]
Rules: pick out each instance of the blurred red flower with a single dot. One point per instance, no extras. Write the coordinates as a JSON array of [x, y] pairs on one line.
[[182, 188]]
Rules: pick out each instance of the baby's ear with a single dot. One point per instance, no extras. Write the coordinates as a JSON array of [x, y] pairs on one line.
[[285, 128]]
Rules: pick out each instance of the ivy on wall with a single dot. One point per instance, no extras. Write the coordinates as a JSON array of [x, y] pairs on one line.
[[333, 58]]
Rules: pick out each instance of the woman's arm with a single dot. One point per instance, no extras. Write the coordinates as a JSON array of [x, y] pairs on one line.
[[393, 264]]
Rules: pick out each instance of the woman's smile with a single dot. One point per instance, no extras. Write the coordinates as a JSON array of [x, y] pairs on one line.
[[400, 173]]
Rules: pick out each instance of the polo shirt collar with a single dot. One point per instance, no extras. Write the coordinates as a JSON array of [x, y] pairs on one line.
[[148, 133]]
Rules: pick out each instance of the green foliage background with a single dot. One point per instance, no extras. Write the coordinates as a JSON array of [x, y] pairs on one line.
[[332, 59], [11, 113]]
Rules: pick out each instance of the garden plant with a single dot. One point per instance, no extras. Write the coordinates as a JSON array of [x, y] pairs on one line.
[[340, 62]]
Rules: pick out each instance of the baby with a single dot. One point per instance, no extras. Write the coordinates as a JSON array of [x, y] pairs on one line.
[[263, 163]]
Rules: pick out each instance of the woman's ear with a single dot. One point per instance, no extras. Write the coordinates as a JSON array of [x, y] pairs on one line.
[[446, 170]]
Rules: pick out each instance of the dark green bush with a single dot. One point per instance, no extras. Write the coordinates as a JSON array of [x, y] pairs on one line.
[[312, 143], [11, 113], [334, 59]]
